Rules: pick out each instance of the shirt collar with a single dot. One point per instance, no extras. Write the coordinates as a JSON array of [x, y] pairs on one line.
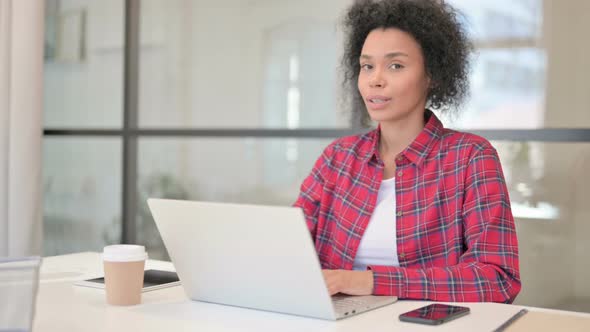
[[422, 145]]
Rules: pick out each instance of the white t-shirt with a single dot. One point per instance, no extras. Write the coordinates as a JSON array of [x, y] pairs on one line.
[[379, 244]]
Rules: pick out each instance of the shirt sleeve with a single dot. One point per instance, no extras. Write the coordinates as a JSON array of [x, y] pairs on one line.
[[312, 189], [488, 271]]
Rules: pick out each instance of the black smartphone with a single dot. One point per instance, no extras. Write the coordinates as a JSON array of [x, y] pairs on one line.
[[434, 314]]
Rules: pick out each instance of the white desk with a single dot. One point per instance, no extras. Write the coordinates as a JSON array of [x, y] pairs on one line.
[[61, 306]]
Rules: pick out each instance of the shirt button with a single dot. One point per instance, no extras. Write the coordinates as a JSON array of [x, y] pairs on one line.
[[402, 255], [400, 173], [399, 158], [399, 213]]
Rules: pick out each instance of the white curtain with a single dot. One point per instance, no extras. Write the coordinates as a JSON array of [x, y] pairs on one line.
[[21, 101]]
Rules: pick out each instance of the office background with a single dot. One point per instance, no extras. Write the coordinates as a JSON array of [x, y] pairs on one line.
[[233, 100]]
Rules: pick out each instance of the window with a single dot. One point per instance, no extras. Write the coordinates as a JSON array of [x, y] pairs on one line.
[[236, 100]]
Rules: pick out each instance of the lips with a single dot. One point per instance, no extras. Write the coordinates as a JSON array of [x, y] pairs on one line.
[[377, 102]]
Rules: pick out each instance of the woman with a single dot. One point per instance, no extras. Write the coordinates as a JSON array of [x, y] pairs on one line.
[[411, 209]]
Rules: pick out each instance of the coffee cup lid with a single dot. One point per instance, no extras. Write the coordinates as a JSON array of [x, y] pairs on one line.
[[124, 253]]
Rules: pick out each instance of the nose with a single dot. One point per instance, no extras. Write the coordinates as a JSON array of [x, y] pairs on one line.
[[376, 80]]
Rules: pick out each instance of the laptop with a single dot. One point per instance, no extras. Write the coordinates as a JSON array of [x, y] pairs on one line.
[[258, 257]]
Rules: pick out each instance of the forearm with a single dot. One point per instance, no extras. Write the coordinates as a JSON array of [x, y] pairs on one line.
[[465, 282]]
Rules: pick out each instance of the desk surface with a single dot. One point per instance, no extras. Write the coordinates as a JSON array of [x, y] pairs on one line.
[[61, 306]]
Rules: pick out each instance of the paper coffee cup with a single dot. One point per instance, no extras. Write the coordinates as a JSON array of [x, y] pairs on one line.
[[123, 273]]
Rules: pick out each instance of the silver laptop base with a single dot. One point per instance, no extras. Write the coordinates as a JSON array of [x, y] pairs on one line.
[[347, 305]]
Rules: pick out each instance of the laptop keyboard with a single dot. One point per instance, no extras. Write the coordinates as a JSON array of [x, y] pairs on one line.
[[349, 302]]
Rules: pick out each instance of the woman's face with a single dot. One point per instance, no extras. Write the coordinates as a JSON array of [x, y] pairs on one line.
[[392, 80]]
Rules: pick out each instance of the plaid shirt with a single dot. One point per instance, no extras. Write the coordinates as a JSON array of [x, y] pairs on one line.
[[456, 238]]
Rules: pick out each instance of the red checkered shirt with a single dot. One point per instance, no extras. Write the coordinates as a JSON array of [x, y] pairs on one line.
[[456, 238]]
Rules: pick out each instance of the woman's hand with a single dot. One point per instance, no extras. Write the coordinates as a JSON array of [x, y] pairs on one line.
[[349, 282]]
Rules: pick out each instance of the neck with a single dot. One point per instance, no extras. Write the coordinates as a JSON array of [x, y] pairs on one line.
[[397, 135]]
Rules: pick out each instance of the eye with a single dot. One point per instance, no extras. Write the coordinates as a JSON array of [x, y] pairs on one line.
[[366, 67], [396, 66]]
